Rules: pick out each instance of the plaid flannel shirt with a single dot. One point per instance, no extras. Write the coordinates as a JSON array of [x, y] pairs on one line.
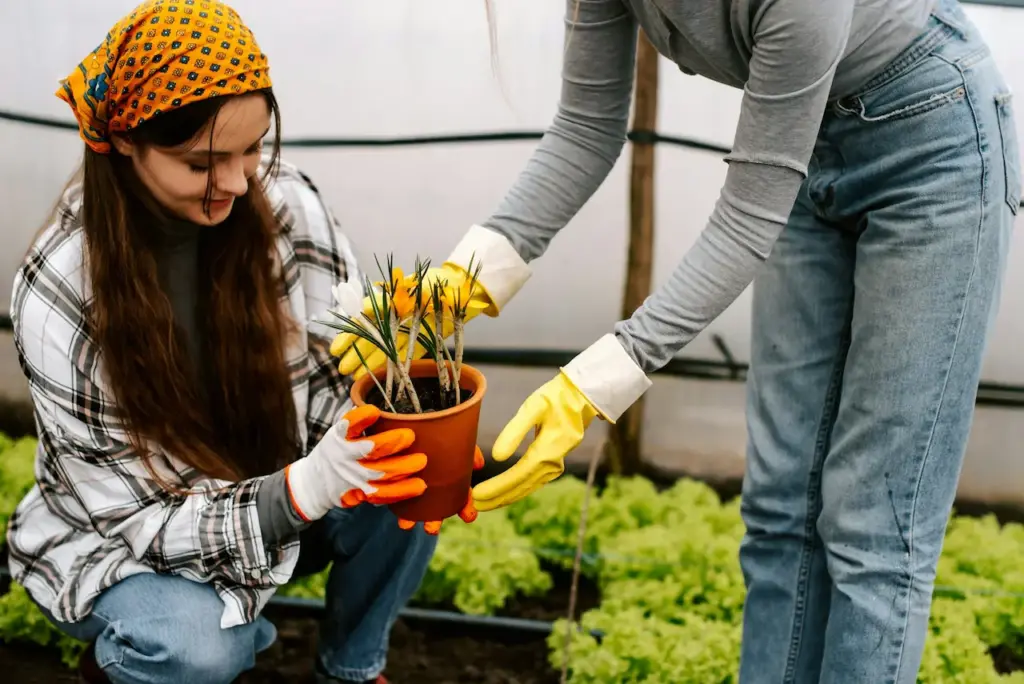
[[95, 515]]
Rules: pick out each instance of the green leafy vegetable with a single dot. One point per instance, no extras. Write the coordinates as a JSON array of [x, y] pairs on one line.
[[480, 566], [639, 648], [22, 621], [17, 475]]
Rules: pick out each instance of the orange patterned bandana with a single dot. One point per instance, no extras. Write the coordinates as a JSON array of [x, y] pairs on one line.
[[164, 55]]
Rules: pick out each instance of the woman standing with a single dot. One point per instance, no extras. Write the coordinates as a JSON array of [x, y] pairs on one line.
[[193, 434], [871, 191]]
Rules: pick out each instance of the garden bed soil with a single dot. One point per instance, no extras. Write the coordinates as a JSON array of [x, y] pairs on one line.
[[1006, 661], [415, 657], [420, 653]]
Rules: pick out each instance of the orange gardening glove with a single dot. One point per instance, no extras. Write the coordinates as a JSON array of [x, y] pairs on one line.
[[347, 468], [468, 512]]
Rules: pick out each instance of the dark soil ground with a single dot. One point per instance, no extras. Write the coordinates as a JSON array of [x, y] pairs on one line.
[[421, 652]]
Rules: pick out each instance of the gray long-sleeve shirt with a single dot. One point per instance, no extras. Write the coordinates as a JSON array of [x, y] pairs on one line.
[[177, 258], [790, 57]]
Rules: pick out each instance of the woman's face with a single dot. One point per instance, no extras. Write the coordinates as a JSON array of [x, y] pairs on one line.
[[178, 177]]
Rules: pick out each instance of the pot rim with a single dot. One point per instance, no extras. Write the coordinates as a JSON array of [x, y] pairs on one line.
[[478, 395]]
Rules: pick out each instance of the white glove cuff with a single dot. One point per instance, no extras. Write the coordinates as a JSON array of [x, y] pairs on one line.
[[607, 377], [317, 482], [503, 272], [306, 489]]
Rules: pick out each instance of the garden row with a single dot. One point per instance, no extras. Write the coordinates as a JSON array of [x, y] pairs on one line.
[[671, 590]]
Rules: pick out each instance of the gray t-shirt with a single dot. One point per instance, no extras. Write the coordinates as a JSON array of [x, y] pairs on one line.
[[791, 57]]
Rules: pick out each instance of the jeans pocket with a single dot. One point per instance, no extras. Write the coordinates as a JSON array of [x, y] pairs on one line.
[[1010, 149], [928, 85]]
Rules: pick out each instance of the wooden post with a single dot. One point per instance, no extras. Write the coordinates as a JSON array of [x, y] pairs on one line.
[[625, 442]]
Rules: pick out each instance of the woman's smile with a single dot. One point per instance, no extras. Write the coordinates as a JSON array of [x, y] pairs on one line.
[[220, 206]]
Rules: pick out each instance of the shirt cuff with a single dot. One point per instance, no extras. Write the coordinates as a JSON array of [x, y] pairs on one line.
[[606, 375], [278, 518], [502, 271]]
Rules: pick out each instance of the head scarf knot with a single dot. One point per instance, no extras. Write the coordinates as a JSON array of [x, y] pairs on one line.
[[165, 54]]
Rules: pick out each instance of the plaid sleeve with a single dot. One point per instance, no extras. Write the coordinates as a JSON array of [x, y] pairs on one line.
[[325, 257], [88, 471]]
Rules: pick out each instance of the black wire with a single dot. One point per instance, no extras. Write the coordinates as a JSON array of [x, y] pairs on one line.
[[639, 136], [43, 121]]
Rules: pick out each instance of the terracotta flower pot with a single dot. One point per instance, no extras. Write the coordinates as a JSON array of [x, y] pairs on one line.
[[447, 437]]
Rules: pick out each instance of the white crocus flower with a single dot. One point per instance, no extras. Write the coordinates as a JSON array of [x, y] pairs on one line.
[[349, 297]]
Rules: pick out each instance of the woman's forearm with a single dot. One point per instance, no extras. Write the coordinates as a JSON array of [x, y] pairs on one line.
[[748, 218], [567, 168], [750, 215], [588, 132]]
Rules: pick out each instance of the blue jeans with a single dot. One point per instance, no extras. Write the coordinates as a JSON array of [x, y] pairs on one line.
[[164, 629], [870, 321]]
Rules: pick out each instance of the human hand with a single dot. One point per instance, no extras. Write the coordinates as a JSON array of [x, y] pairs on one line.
[[347, 468]]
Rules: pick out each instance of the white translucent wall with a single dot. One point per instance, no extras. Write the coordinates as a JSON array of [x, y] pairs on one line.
[[406, 68]]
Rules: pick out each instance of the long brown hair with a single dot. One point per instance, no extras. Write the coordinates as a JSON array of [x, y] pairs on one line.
[[244, 424]]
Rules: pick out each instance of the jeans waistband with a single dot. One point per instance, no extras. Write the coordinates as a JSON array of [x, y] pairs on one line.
[[943, 24]]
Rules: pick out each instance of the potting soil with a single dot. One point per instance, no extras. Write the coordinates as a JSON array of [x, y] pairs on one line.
[[428, 390]]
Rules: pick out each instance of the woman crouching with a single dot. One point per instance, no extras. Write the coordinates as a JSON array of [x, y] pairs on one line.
[[194, 432]]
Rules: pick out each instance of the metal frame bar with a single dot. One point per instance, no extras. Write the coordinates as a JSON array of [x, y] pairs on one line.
[[992, 394]]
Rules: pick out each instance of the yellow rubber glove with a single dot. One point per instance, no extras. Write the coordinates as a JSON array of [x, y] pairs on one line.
[[560, 414], [456, 277]]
